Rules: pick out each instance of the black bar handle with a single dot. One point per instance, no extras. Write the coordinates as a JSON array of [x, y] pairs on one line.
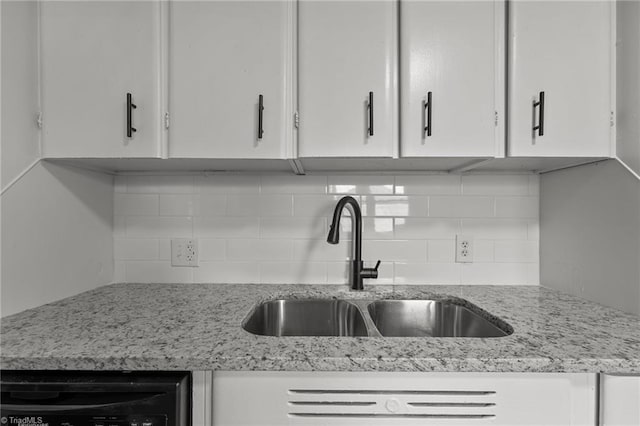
[[260, 110], [130, 107], [370, 107], [427, 108], [540, 106]]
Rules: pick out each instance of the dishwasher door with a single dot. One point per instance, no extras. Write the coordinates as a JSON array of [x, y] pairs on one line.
[[63, 398]]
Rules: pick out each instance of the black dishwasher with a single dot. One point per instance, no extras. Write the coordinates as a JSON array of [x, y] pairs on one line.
[[68, 398]]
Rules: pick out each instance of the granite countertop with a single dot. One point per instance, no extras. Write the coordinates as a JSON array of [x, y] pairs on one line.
[[197, 327]]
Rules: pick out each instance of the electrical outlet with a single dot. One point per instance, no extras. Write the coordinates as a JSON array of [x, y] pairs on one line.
[[464, 249], [184, 252]]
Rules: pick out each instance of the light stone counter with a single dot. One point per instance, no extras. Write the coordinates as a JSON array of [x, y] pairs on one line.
[[198, 327]]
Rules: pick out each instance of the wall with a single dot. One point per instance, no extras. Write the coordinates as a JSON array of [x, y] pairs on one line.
[[273, 228], [590, 234], [19, 84], [57, 236], [56, 224], [628, 84]]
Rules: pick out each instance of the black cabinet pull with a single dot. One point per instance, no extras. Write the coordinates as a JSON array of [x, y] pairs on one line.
[[427, 119], [130, 107], [370, 107], [260, 110], [540, 106]]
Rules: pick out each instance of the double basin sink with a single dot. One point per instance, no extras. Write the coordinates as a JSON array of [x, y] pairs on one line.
[[372, 318]]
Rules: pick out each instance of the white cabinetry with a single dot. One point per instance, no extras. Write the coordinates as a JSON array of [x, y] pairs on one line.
[[560, 51], [452, 84], [230, 79], [347, 89], [92, 55], [620, 400], [305, 398]]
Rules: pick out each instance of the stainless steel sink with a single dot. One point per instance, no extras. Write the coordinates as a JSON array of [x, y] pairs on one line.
[[311, 317], [429, 318]]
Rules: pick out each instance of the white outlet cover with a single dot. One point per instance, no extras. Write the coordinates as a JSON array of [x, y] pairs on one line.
[[184, 252], [464, 249]]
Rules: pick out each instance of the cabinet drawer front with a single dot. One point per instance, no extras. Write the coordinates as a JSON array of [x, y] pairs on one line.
[[403, 398]]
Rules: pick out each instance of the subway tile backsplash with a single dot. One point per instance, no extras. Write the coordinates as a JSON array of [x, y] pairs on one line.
[[272, 228]]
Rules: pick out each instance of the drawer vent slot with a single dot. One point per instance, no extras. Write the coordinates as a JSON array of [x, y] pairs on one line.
[[387, 404]]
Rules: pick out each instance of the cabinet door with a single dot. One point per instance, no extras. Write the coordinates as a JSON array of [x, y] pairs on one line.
[[449, 54], [346, 57], [562, 49], [93, 54], [223, 56], [619, 400]]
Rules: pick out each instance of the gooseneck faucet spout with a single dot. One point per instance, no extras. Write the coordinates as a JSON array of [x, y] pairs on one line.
[[358, 271]]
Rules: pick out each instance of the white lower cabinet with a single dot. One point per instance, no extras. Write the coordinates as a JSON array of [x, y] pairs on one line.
[[323, 398], [619, 400]]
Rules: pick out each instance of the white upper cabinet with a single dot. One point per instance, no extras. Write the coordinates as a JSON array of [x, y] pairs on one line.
[[347, 78], [452, 87], [560, 97], [230, 68], [92, 55]]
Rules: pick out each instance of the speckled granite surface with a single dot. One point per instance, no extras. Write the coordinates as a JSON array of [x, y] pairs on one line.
[[197, 327]]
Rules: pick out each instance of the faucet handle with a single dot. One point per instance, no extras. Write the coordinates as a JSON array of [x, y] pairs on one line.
[[370, 272]]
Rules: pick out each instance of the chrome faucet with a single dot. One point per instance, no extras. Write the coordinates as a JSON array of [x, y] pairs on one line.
[[358, 271]]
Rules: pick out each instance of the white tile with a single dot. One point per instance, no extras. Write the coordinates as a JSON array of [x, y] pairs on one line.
[[446, 206], [157, 272], [441, 251], [495, 184], [516, 251], [517, 207], [483, 251], [395, 250], [212, 204], [427, 273], [252, 205], [158, 227], [293, 227], [534, 274], [135, 249], [119, 226], [160, 184], [178, 205], [394, 205], [293, 273], [135, 204], [429, 185], [211, 249], [316, 205], [374, 184], [259, 249], [422, 229], [164, 249], [227, 227], [320, 250], [120, 184], [495, 273], [227, 272], [337, 273], [228, 184], [533, 229], [495, 229], [534, 185], [119, 275], [292, 184], [377, 228]]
